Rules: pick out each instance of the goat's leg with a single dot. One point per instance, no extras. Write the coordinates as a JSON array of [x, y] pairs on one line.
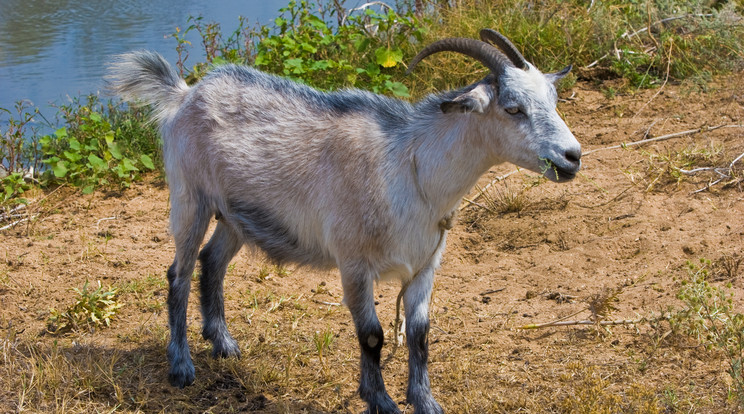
[[189, 222], [359, 297], [214, 259], [416, 302]]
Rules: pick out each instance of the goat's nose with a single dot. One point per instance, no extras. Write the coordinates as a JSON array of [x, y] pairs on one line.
[[574, 156]]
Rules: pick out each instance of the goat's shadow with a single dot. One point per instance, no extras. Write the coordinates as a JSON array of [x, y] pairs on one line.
[[136, 380]]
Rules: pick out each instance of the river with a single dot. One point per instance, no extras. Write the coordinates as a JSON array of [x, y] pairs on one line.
[[54, 51]]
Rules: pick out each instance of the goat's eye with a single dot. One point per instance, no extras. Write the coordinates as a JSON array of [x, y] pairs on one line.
[[512, 110]]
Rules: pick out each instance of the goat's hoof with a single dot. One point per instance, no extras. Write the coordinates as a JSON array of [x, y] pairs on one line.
[[225, 346], [181, 377], [383, 405], [430, 407]]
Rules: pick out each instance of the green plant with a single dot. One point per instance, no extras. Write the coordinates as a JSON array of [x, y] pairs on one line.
[[710, 318], [363, 50], [323, 341], [93, 308], [665, 168], [89, 152], [13, 186], [644, 42]]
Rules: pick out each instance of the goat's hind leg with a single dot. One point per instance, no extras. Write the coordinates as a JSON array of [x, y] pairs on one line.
[[189, 222], [214, 258], [359, 297]]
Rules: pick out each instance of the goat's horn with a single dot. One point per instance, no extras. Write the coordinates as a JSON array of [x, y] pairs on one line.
[[496, 38], [491, 57]]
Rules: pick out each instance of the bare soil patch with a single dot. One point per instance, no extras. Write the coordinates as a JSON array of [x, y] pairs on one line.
[[628, 224]]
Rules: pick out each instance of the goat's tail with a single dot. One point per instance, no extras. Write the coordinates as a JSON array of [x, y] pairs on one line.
[[147, 77]]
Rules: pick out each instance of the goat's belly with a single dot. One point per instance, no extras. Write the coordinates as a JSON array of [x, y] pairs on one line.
[[281, 243], [400, 271]]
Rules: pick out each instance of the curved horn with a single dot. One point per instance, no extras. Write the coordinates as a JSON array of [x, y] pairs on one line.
[[496, 38], [481, 51]]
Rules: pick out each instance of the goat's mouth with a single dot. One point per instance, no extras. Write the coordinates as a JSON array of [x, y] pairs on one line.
[[559, 173]]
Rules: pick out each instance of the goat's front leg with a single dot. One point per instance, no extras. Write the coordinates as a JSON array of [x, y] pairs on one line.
[[359, 297], [416, 301]]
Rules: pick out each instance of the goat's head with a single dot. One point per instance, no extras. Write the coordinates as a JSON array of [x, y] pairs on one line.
[[518, 101]]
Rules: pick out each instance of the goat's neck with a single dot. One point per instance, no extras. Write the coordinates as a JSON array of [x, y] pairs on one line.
[[447, 159]]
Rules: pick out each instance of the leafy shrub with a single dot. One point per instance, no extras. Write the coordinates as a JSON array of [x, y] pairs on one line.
[[362, 52], [89, 152]]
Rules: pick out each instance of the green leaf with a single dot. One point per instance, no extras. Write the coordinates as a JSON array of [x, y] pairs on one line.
[[147, 161], [388, 58], [115, 150], [74, 144], [320, 65], [88, 189], [397, 88], [61, 133], [72, 156], [295, 65], [128, 166], [95, 116], [96, 162], [59, 169]]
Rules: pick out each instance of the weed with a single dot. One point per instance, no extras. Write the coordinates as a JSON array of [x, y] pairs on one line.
[[710, 319], [508, 200], [323, 341], [592, 394], [668, 168], [87, 152], [92, 309]]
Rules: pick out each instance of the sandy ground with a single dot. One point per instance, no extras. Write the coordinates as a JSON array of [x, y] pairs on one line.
[[625, 228]]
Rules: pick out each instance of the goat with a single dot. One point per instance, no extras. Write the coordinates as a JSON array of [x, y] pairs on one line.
[[345, 179]]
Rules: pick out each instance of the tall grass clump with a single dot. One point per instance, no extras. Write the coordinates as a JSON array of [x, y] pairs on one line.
[[644, 42]]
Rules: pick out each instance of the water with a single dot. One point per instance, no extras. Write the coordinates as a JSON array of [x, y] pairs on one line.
[[53, 51]]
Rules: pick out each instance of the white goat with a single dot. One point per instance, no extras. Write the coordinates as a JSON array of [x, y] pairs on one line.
[[347, 179]]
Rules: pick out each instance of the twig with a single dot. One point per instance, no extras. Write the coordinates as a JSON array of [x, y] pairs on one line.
[[582, 322], [488, 292], [15, 223], [623, 145], [723, 172], [662, 138], [364, 7], [662, 21], [326, 303], [104, 219]]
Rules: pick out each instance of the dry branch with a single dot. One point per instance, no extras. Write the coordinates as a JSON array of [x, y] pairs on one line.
[[583, 322], [662, 138]]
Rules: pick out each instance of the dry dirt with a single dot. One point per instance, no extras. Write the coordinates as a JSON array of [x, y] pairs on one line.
[[626, 225]]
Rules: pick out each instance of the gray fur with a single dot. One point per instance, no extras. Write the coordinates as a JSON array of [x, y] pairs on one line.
[[347, 179]]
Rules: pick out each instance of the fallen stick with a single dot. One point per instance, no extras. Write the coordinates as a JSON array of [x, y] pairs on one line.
[[582, 322], [662, 138], [15, 223]]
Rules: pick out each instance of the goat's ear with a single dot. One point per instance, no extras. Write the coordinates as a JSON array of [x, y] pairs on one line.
[[476, 100], [555, 77]]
